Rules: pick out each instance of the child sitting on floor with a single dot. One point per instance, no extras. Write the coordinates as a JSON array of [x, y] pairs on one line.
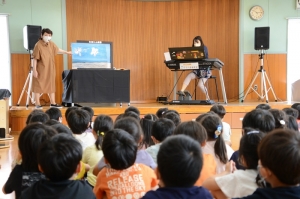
[[179, 166], [123, 178]]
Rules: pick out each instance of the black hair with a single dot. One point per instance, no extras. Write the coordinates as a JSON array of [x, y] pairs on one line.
[[53, 113], [132, 114], [46, 30], [279, 151], [214, 128], [90, 112], [199, 118], [263, 106], [161, 111], [78, 121], [52, 122], [297, 107], [31, 114], [132, 126], [259, 119], [69, 110], [162, 128], [173, 116], [219, 110], [146, 124], [291, 123], [248, 148], [291, 111], [102, 124], [31, 137], [179, 161], [60, 128], [119, 149], [39, 117], [198, 38], [171, 111], [192, 129], [280, 118], [133, 109], [59, 157], [120, 116]]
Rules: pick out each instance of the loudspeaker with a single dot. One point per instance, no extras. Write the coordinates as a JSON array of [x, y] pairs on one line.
[[31, 35], [262, 38]]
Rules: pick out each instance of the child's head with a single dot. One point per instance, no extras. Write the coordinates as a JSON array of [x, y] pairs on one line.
[[248, 148], [259, 119], [133, 109], [102, 124], [214, 128], [291, 123], [72, 108], [172, 115], [192, 129], [280, 118], [31, 114], [161, 129], [119, 149], [54, 113], [132, 114], [279, 154], [59, 158], [132, 126], [199, 118], [179, 161], [31, 137], [297, 107], [160, 112], [39, 117], [78, 121], [146, 124], [90, 112], [60, 128], [52, 122], [263, 106], [219, 110], [291, 111]]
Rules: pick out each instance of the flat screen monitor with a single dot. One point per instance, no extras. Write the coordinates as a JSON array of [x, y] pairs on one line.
[[92, 54]]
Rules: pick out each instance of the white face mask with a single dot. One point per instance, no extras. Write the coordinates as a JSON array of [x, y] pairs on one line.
[[46, 38], [197, 44]]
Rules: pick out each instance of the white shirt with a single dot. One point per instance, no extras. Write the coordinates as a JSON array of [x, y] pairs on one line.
[[239, 184], [209, 149], [86, 139], [226, 131]]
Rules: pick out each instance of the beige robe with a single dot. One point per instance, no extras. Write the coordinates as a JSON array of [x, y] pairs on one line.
[[44, 53]]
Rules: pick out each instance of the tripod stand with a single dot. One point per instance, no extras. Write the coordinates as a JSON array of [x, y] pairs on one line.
[[263, 85], [29, 78]]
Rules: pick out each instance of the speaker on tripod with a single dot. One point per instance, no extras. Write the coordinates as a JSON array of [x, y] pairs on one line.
[[31, 35], [261, 42]]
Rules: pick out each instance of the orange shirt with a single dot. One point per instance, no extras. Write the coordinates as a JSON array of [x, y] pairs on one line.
[[208, 169], [133, 182]]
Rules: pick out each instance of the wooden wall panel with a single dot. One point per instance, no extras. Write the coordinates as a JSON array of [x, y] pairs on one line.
[[20, 69], [142, 31], [275, 66]]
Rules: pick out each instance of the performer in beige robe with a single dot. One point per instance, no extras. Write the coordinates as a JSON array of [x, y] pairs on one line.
[[44, 68]]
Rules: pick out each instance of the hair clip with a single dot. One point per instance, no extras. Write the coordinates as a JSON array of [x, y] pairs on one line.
[[100, 133], [218, 131], [282, 122], [252, 132]]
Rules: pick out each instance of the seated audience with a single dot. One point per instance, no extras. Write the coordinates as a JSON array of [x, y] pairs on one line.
[[91, 114], [78, 121], [59, 159], [279, 163], [146, 124], [198, 133], [161, 129], [123, 178], [179, 166], [27, 173], [280, 118], [54, 113], [239, 183], [39, 117], [215, 143]]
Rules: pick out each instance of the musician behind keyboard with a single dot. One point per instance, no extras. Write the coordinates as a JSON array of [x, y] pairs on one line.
[[201, 74]]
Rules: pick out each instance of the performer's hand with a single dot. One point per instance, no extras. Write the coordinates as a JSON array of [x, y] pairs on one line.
[[35, 74], [69, 52]]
